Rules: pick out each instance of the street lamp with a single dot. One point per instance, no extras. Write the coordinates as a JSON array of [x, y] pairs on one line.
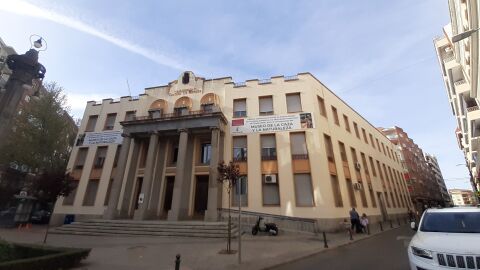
[[463, 35], [40, 44]]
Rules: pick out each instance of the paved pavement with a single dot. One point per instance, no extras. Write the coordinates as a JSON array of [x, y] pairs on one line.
[[258, 252], [384, 251]]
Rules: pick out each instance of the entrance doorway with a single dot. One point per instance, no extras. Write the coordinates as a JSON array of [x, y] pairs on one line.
[[138, 190], [201, 196], [167, 202], [382, 206]]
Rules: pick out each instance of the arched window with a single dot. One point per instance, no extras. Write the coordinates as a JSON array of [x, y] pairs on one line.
[[209, 102], [157, 108], [183, 106]]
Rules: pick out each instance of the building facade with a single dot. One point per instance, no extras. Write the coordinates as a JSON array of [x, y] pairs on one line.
[[462, 197], [432, 162], [420, 178], [458, 61], [302, 153]]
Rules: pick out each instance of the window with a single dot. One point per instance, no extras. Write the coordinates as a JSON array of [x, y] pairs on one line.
[[117, 154], [298, 145], [378, 145], [355, 127], [206, 153], [303, 189], [265, 105], [110, 121], [294, 103], [269, 148], [351, 193], [69, 200], [373, 166], [271, 195], [175, 154], [374, 201], [321, 106], [239, 107], [92, 122], [157, 113], [240, 190], [364, 135], [383, 147], [329, 148], [335, 116], [364, 164], [91, 192], [371, 140], [179, 111], [347, 124], [81, 156], [130, 116], [337, 195], [100, 157], [343, 152], [240, 148], [207, 107], [109, 189]]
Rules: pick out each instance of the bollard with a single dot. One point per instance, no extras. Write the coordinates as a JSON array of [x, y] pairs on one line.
[[398, 221], [381, 226], [325, 245], [177, 262], [368, 229], [351, 235], [391, 224]]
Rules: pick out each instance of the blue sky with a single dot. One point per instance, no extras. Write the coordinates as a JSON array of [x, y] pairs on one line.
[[377, 55]]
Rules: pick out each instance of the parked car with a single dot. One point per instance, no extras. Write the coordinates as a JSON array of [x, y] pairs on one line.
[[445, 239], [40, 217], [8, 212]]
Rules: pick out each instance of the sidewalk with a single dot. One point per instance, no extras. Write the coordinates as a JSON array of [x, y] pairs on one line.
[[258, 252]]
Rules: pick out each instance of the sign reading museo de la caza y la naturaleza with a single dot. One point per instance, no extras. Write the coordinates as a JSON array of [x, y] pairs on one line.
[[105, 137], [272, 123]]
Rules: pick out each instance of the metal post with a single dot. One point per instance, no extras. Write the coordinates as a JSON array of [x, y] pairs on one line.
[[381, 226], [391, 224], [368, 228], [240, 222], [177, 262], [46, 233], [351, 235], [325, 245]]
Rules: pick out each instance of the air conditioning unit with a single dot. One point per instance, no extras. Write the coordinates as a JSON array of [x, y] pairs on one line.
[[357, 186], [270, 179], [357, 166]]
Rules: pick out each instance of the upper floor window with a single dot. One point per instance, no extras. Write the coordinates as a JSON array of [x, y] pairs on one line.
[[110, 121], [269, 148], [371, 140], [321, 105], [181, 111], [92, 122], [265, 105], [240, 107], [294, 103], [329, 147], [343, 152], [81, 157], [130, 115], [335, 116], [298, 145], [355, 127], [100, 157], [364, 135], [240, 148], [347, 124], [206, 153], [208, 107]]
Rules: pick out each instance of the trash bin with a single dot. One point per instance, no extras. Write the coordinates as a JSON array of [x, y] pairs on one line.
[[69, 219]]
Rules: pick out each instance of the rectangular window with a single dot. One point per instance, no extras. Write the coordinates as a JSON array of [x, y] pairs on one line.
[[157, 113], [383, 147], [265, 105], [271, 194], [298, 145], [92, 122], [240, 107], [378, 145], [303, 189], [130, 116], [347, 124], [110, 121], [329, 148], [321, 105], [69, 200], [355, 127], [208, 107], [175, 154], [269, 148], [373, 167], [351, 193], [364, 135], [374, 201], [335, 116], [91, 192], [337, 195], [343, 152], [294, 103], [371, 140], [364, 164], [81, 156], [240, 148], [109, 189], [206, 153], [100, 157], [240, 190], [117, 154], [386, 199]]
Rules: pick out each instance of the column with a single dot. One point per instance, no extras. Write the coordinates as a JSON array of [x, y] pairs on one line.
[[183, 175], [140, 213], [213, 190], [158, 180], [111, 211], [130, 180]]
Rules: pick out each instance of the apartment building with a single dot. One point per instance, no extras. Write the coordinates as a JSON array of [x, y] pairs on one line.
[[457, 53], [432, 163], [420, 178], [462, 197], [302, 152]]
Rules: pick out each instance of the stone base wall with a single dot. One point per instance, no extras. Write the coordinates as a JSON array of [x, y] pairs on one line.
[[58, 219]]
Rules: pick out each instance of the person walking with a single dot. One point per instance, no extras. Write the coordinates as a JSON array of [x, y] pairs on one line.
[[355, 220], [364, 223]]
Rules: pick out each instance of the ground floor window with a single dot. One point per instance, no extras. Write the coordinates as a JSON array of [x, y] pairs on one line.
[[303, 189], [240, 190], [337, 195], [91, 192], [271, 194]]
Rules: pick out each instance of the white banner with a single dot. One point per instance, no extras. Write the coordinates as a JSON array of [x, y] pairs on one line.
[[92, 138], [272, 123]]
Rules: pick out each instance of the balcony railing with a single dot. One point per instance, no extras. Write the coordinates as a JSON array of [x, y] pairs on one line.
[[175, 114], [291, 78], [264, 81], [240, 84], [448, 58], [460, 82], [473, 108]]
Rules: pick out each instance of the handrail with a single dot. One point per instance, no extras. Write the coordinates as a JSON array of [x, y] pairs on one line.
[[175, 115]]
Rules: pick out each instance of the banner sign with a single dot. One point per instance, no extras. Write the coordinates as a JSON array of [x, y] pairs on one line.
[[272, 123], [92, 138]]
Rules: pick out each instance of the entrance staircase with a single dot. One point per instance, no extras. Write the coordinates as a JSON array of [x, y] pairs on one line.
[[99, 227]]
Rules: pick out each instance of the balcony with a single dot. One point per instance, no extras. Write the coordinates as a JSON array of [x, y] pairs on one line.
[[175, 115], [473, 113], [461, 86], [449, 61]]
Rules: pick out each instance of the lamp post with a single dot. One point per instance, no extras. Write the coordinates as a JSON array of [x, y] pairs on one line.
[[463, 35], [25, 68]]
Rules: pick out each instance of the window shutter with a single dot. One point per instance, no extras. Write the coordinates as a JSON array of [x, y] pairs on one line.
[[266, 104], [293, 103], [297, 142], [240, 105], [303, 190], [268, 141], [240, 142]]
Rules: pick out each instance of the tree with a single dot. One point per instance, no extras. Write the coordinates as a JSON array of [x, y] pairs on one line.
[[228, 174], [41, 140]]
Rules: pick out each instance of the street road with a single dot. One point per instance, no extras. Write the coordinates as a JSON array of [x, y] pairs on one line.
[[385, 251]]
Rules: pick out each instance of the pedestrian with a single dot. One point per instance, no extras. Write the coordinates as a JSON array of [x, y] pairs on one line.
[[355, 220], [364, 222], [411, 215]]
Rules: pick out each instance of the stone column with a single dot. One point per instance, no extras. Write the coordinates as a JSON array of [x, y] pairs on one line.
[[111, 211], [212, 205], [183, 174], [158, 180], [140, 213], [130, 180]]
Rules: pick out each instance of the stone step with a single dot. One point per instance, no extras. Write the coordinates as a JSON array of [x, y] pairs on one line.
[[152, 229], [163, 234], [146, 226]]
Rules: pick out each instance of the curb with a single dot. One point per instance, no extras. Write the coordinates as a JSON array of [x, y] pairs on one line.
[[313, 253]]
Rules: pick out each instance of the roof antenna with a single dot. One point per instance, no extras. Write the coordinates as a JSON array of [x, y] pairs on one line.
[[128, 85]]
